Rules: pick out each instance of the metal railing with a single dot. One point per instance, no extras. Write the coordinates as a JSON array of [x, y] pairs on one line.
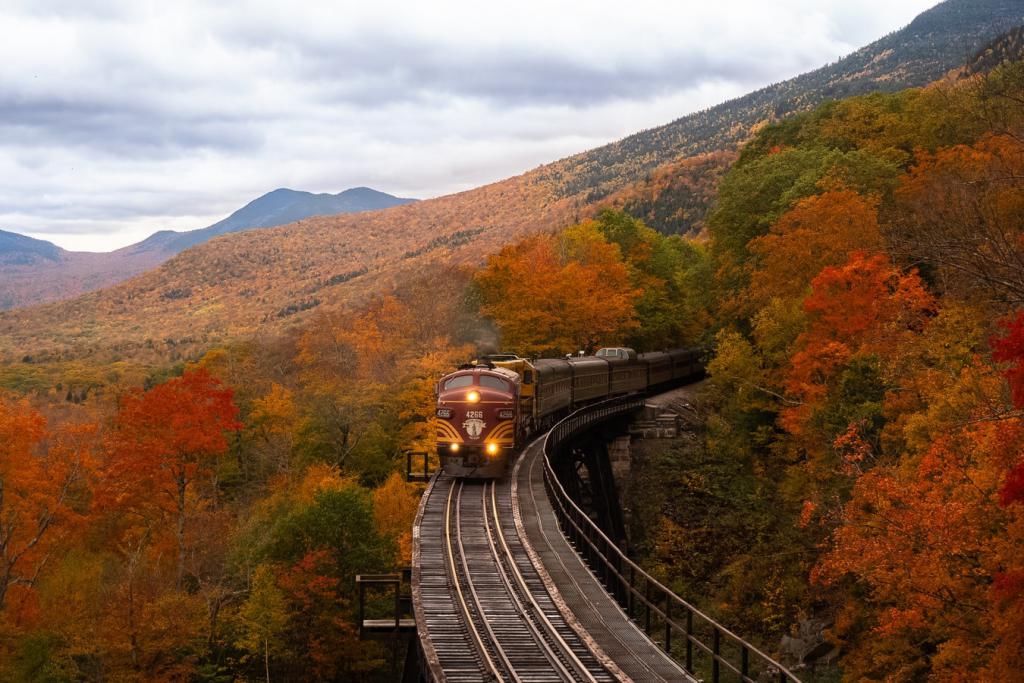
[[688, 635]]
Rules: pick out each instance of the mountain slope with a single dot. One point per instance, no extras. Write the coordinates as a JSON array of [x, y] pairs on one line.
[[35, 271], [940, 39], [268, 280]]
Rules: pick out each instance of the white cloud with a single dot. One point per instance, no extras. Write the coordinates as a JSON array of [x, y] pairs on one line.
[[120, 118]]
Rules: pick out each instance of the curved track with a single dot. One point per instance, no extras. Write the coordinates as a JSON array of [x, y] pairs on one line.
[[484, 609]]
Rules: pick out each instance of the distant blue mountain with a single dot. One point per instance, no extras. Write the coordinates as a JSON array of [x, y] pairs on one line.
[[280, 207], [18, 249]]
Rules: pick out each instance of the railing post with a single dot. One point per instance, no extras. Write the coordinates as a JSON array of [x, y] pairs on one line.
[[716, 651], [689, 640], [398, 601], [744, 662], [632, 595], [647, 594], [362, 604], [668, 623]]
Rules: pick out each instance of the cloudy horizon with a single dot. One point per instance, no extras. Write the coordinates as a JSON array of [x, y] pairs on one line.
[[125, 118]]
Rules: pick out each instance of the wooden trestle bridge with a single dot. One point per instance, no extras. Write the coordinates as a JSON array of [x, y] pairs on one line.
[[513, 581]]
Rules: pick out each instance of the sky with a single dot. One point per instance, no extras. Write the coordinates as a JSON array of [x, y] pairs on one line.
[[120, 118]]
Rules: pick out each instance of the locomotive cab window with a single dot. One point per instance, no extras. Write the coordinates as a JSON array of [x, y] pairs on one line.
[[459, 381], [493, 383]]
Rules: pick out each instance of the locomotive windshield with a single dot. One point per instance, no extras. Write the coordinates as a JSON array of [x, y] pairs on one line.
[[459, 381], [494, 383]]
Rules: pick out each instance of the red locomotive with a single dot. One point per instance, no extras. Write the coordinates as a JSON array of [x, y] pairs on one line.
[[477, 411], [486, 411]]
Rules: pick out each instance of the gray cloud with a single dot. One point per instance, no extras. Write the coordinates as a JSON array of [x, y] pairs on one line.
[[121, 117]]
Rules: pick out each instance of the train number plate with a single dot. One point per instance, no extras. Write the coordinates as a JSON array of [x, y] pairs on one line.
[[444, 412], [475, 413]]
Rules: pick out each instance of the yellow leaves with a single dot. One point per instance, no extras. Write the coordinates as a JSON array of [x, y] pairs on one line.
[[736, 372], [276, 411], [320, 477], [394, 509]]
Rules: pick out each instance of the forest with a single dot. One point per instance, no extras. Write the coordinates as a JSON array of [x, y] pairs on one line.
[[860, 290]]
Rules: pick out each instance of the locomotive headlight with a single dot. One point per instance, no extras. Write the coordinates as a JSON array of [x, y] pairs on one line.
[[492, 448], [454, 448], [473, 396]]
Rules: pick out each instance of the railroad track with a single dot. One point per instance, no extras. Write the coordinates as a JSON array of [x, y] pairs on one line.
[[488, 614]]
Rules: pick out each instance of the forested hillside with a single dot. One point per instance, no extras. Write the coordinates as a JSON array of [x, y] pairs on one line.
[[857, 486], [938, 40]]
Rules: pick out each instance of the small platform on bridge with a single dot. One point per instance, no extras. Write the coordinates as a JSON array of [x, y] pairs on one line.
[[388, 626]]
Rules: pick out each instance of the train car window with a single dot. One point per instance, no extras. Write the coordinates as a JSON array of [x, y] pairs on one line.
[[460, 381], [527, 376], [493, 383]]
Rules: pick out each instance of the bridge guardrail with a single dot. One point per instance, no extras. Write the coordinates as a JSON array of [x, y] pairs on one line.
[[703, 640]]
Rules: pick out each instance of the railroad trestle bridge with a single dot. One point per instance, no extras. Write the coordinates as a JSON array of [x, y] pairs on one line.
[[513, 581]]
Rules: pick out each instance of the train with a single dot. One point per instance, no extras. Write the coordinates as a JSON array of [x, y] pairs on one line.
[[487, 410]]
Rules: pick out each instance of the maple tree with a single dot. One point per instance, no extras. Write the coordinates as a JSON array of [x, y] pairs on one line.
[[41, 490], [166, 441], [559, 294], [822, 230], [960, 210]]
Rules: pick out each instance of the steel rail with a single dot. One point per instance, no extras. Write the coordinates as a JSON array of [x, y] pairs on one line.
[[534, 616], [467, 615]]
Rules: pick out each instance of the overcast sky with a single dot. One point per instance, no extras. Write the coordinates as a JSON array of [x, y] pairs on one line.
[[121, 118]]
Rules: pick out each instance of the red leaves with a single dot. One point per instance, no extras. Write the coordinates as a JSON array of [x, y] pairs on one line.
[[864, 306], [1010, 349], [184, 418], [1012, 490]]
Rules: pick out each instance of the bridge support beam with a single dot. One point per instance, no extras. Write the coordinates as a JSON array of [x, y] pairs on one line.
[[585, 469]]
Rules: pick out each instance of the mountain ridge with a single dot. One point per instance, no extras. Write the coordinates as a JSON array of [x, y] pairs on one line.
[[34, 271]]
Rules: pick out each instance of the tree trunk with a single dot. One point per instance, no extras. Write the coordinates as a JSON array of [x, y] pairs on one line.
[[182, 485], [266, 657]]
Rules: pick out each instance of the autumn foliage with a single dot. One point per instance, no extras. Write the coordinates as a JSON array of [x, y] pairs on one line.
[[856, 486], [866, 388]]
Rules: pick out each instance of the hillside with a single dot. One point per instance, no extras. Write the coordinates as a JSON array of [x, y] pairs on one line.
[[238, 284], [35, 271], [938, 40], [1006, 48]]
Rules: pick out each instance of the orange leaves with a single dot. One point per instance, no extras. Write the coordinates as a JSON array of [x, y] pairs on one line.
[[961, 211], [166, 441], [179, 422], [867, 299], [864, 306], [559, 293], [41, 475], [927, 542], [819, 231]]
